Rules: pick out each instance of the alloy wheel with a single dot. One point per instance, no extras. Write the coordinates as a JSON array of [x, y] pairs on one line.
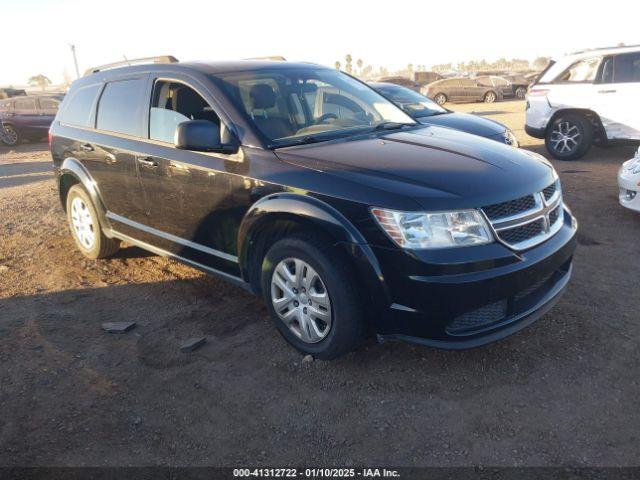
[[82, 223], [440, 99], [490, 97], [10, 136], [301, 300], [565, 137]]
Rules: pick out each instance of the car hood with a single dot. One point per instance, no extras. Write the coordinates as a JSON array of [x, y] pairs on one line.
[[466, 122], [438, 167]]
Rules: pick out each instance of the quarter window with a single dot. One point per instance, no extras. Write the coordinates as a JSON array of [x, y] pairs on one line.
[[78, 108], [173, 103], [119, 107]]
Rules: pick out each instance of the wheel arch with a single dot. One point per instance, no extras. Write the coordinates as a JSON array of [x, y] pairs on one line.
[[274, 216], [71, 173], [599, 133]]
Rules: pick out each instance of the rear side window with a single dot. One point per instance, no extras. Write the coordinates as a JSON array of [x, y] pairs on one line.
[[77, 109], [627, 68], [119, 109], [25, 105], [49, 104]]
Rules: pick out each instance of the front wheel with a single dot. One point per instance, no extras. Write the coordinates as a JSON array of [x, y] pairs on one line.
[[310, 294], [85, 226], [569, 137], [490, 97], [440, 99], [10, 137]]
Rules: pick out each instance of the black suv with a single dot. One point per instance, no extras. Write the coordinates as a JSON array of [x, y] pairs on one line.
[[302, 184]]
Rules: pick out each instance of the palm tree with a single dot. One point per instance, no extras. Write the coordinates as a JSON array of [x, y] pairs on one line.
[[40, 80], [337, 64], [348, 59]]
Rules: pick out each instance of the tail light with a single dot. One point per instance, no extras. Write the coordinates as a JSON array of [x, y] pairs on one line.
[[538, 92]]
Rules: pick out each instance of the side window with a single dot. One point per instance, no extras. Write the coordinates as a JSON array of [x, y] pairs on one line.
[[173, 103], [77, 108], [582, 71], [25, 105], [5, 106], [627, 68], [49, 104], [119, 108]]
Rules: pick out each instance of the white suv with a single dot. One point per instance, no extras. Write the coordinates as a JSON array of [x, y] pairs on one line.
[[585, 98]]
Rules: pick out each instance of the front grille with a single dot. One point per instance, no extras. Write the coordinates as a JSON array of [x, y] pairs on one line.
[[510, 208], [485, 315], [529, 220], [550, 191], [522, 233], [554, 215]]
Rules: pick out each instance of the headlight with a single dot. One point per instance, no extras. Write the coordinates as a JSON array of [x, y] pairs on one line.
[[510, 139], [417, 230], [634, 166]]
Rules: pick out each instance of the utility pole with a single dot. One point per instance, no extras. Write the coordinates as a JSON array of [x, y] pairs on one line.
[[75, 60]]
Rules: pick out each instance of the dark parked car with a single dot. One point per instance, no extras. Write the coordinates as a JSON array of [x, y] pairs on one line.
[[461, 89], [507, 88], [28, 117], [402, 81], [304, 185], [11, 92], [427, 112]]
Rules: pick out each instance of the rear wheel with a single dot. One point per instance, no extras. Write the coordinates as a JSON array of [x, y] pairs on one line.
[[85, 226], [440, 99], [490, 97], [569, 137], [521, 93], [311, 297], [11, 136]]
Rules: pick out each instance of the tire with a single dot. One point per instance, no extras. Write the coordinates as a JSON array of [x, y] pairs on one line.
[[569, 136], [12, 137], [490, 97], [440, 98], [332, 323], [521, 93], [84, 224]]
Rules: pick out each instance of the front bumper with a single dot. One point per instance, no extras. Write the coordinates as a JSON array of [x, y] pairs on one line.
[[467, 297], [629, 189], [535, 132]]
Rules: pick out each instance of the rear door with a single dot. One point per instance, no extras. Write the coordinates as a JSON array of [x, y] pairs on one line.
[[26, 117], [47, 108], [111, 159]]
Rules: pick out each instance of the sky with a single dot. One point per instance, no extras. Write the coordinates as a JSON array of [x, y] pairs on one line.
[[36, 34]]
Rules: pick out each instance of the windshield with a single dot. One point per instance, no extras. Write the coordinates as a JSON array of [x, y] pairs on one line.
[[412, 102], [308, 104]]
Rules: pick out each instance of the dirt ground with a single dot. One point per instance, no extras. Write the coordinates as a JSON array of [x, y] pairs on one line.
[[562, 392]]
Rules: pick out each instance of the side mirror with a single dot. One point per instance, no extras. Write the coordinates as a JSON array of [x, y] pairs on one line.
[[201, 136]]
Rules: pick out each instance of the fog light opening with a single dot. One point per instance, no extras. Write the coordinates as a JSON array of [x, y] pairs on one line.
[[630, 195]]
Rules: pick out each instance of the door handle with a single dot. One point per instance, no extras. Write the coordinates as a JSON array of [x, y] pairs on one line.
[[607, 91], [86, 147], [148, 162]]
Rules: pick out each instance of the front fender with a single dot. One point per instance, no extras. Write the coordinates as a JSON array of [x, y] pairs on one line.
[[310, 210], [73, 167]]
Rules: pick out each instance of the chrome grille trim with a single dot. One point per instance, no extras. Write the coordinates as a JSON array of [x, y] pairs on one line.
[[548, 211]]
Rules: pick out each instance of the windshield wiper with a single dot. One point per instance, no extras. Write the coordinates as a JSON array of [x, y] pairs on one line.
[[391, 125]]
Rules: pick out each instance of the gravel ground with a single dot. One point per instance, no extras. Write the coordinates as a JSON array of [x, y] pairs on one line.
[[562, 392]]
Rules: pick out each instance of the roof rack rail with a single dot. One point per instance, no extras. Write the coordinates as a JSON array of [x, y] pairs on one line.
[[133, 61], [587, 50]]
